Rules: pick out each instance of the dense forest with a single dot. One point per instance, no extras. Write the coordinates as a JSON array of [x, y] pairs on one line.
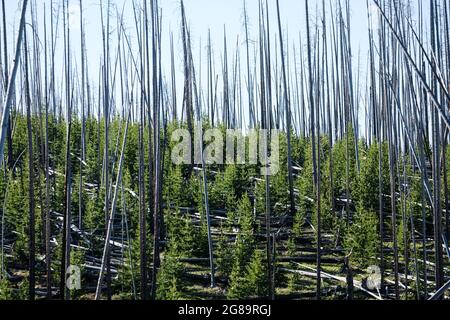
[[359, 208]]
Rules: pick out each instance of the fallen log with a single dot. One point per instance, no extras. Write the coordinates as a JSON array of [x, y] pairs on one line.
[[440, 292], [313, 273]]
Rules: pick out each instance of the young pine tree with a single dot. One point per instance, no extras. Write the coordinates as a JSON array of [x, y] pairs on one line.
[[362, 239]]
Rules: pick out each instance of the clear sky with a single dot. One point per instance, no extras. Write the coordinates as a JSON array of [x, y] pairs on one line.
[[202, 15]]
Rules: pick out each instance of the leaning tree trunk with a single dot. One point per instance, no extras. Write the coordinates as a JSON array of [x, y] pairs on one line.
[[112, 214], [11, 83]]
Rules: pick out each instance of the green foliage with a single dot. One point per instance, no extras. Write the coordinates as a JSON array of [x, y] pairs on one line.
[[224, 256], [245, 239], [185, 239], [94, 219], [228, 186], [293, 278], [248, 276], [305, 186], [362, 239], [237, 190], [77, 258], [367, 189], [257, 275], [177, 189], [344, 152], [5, 290], [252, 283], [403, 234], [170, 282], [130, 272], [308, 197], [22, 293]]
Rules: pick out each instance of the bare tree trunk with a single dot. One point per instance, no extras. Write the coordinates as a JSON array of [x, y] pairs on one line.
[[288, 117], [5, 53], [435, 123], [111, 216], [47, 174], [157, 152], [106, 115], [67, 223], [83, 119], [11, 83], [313, 142], [32, 220]]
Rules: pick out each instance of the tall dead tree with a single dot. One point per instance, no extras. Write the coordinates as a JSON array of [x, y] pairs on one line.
[[6, 84], [435, 125], [47, 171], [67, 221], [141, 174], [265, 125], [106, 116], [31, 208], [288, 117], [11, 83], [83, 119], [157, 151], [252, 119], [314, 146], [187, 96]]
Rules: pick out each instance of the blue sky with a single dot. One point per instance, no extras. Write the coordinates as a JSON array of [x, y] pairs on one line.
[[202, 15]]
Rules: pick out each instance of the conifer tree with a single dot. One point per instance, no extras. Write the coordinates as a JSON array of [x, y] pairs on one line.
[[361, 239], [170, 279]]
